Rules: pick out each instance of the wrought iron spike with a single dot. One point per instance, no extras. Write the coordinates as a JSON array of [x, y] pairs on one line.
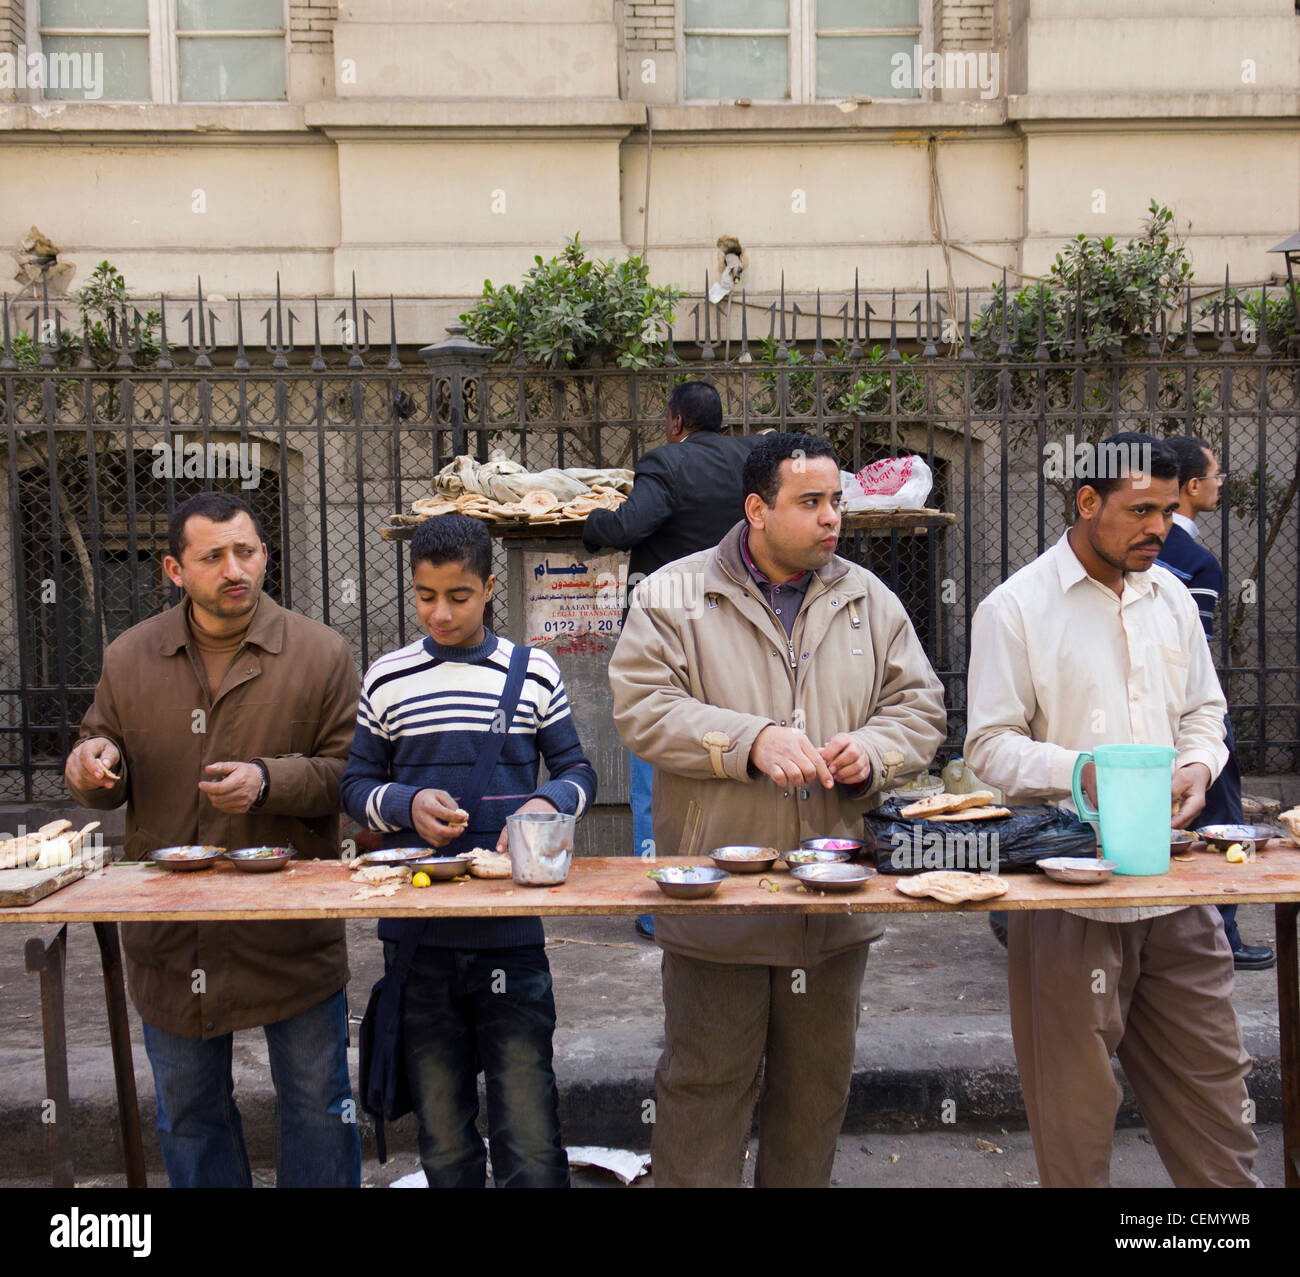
[[1041, 354], [85, 361], [241, 363], [856, 351], [893, 356], [318, 356], [1189, 340], [966, 352], [165, 362], [819, 355], [745, 356], [7, 361], [394, 361], [1262, 349]]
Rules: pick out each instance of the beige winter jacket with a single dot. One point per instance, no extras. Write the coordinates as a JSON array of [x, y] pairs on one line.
[[703, 666]]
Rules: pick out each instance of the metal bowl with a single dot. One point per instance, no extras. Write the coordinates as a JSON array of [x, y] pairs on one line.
[[186, 859], [1079, 870], [744, 859], [395, 855], [442, 867], [807, 856], [833, 876], [1181, 839], [688, 882], [853, 846], [260, 860], [1251, 837]]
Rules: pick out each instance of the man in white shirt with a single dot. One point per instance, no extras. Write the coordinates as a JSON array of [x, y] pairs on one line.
[[1092, 644]]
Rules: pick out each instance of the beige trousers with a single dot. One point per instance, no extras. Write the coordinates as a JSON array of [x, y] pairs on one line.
[[1157, 994], [721, 1022]]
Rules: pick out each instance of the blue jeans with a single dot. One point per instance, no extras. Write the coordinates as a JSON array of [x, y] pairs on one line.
[[202, 1138], [466, 1010], [641, 788]]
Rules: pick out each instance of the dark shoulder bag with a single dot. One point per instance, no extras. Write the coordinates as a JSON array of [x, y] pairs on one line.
[[385, 1091]]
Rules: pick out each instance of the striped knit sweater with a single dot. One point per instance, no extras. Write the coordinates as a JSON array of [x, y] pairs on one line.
[[424, 714]]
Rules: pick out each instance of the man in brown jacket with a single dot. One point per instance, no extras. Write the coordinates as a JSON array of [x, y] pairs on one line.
[[770, 712], [227, 721]]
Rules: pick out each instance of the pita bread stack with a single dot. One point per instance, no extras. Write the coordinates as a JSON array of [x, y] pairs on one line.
[[48, 847], [488, 864], [951, 887], [976, 806]]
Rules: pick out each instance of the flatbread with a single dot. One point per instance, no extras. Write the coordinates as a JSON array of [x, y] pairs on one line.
[[539, 501], [951, 887], [937, 803], [489, 864], [974, 813], [1291, 819]]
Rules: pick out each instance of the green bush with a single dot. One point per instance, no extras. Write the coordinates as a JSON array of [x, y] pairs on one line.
[[573, 312]]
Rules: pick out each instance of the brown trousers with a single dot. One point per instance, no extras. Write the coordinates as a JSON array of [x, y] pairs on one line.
[[720, 1021], [1155, 993]]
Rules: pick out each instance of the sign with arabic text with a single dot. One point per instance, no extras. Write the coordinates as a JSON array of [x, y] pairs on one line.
[[566, 597]]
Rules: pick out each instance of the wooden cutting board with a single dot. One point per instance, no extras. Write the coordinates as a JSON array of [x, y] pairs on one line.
[[26, 886]]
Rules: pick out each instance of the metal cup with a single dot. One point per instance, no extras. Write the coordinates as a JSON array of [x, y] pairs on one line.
[[541, 847]]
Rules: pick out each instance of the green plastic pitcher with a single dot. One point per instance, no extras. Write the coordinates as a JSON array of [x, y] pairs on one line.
[[1134, 787]]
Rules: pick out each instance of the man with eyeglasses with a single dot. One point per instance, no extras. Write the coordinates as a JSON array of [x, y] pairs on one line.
[[1200, 484]]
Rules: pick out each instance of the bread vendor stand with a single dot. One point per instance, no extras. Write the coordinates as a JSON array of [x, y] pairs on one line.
[[140, 892]]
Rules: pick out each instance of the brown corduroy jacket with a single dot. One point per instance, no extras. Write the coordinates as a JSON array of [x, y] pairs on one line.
[[289, 699]]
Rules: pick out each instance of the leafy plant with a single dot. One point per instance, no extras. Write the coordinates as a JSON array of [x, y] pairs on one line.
[[1122, 291], [574, 312]]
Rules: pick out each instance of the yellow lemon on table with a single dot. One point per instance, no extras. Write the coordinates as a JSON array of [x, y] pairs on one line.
[[1235, 854], [421, 879]]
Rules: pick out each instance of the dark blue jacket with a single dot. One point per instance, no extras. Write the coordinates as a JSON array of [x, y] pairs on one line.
[[1197, 568]]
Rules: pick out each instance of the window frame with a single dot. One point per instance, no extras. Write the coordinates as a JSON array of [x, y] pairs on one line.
[[801, 32], [164, 36]]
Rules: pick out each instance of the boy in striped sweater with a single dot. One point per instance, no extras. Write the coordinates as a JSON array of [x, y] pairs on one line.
[[479, 993]]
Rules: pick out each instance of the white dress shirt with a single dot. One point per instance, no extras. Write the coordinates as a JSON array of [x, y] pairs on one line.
[[1059, 664]]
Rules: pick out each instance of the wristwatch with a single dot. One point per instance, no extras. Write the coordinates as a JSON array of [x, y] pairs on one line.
[[266, 783]]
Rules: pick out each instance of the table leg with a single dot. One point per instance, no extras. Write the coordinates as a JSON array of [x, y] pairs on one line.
[[1288, 1022], [119, 1032], [45, 953]]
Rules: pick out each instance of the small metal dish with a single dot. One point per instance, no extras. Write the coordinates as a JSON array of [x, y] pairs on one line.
[[833, 876], [440, 868], [688, 882], [1079, 870], [1251, 837], [1181, 839], [743, 859], [807, 856], [395, 855], [186, 859], [260, 860], [853, 846]]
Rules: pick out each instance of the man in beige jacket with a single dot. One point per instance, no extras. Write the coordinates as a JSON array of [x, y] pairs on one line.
[[774, 687]]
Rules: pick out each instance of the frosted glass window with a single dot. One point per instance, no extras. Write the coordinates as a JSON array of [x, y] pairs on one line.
[[850, 66], [867, 13], [123, 14], [737, 66], [119, 68], [232, 69], [229, 15], [737, 13]]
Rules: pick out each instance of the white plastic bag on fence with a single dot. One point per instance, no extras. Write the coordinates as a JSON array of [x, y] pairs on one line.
[[897, 483]]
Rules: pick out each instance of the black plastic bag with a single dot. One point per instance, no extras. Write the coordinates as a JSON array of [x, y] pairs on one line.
[[1018, 841]]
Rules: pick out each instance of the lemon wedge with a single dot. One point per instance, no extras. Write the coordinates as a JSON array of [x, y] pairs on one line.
[[1236, 854], [421, 879]]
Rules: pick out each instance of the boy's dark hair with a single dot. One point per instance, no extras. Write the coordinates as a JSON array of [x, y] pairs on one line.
[[764, 461], [1192, 461], [453, 538], [698, 404], [220, 507], [1121, 455]]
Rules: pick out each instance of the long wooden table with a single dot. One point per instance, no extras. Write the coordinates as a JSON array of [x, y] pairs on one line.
[[616, 885]]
